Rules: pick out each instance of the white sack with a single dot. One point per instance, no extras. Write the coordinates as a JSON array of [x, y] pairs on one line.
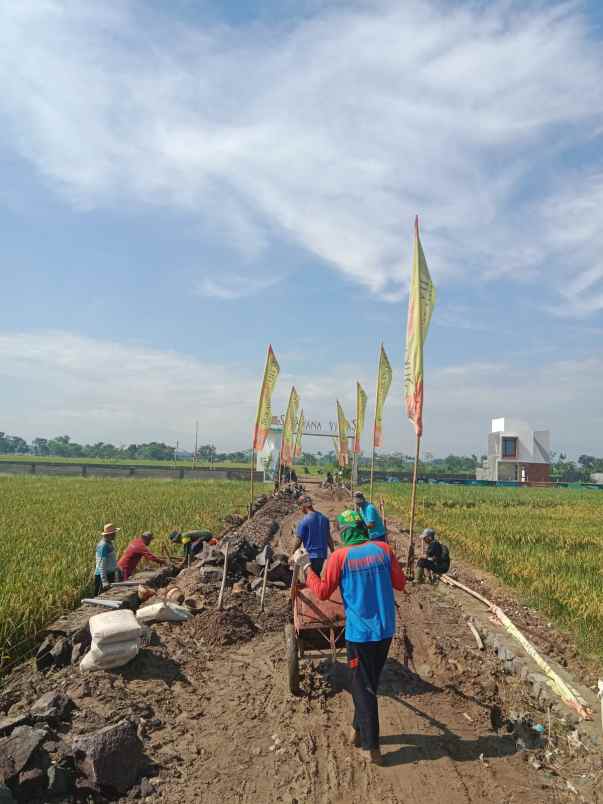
[[162, 612], [108, 656], [114, 626]]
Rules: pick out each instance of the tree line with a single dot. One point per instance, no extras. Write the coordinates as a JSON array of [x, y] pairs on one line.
[[562, 468]]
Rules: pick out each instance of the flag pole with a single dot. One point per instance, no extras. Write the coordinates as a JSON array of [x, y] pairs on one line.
[[410, 559], [374, 425], [251, 477]]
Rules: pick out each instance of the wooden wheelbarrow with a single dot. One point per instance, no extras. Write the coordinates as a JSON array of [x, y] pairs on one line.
[[318, 627]]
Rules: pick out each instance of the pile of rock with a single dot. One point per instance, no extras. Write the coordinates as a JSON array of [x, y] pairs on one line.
[[38, 762]]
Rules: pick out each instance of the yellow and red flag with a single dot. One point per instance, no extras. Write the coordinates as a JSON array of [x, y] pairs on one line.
[[289, 428], [298, 438], [421, 301], [264, 414], [384, 381], [343, 427], [360, 414]]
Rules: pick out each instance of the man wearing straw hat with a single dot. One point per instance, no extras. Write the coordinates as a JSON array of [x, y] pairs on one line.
[[106, 559]]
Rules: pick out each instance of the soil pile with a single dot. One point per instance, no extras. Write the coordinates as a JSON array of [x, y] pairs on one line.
[[225, 627]]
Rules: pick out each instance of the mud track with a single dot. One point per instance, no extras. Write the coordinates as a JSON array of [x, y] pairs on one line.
[[219, 724]]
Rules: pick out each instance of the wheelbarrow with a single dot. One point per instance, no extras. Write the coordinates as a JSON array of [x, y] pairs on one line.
[[318, 628]]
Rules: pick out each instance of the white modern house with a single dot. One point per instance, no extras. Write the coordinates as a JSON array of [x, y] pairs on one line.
[[516, 452]]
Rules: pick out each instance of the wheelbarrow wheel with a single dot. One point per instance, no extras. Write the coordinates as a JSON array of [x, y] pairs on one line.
[[292, 659]]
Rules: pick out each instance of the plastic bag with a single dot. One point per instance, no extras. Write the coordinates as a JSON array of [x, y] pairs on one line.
[[162, 612], [114, 626]]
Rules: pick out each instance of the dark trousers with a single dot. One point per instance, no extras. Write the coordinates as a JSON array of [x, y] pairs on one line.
[[366, 660], [98, 584], [428, 564], [316, 564]]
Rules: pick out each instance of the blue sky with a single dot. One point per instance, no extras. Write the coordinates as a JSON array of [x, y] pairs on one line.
[[183, 183]]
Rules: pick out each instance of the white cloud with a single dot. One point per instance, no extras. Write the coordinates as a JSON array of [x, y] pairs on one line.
[[57, 382], [332, 131], [234, 286]]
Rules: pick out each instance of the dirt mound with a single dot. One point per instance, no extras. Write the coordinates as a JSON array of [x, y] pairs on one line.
[[225, 627]]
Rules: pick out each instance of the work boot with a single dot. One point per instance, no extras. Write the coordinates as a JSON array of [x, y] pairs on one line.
[[373, 755], [420, 575], [354, 737]]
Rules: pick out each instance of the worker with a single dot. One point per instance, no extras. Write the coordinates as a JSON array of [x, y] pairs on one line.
[[137, 549], [106, 560], [367, 572], [314, 533], [329, 480], [437, 558], [192, 542], [371, 517]]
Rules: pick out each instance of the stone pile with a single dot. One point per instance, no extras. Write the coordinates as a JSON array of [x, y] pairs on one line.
[[40, 762]]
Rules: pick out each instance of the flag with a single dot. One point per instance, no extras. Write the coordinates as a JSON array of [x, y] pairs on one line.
[[343, 426], [421, 300], [298, 438], [289, 428], [337, 454], [264, 416], [360, 412], [384, 380]]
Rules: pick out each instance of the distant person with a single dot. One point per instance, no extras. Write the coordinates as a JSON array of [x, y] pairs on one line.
[[293, 476], [329, 479], [314, 533], [106, 559], [370, 515], [437, 557], [137, 549], [367, 572]]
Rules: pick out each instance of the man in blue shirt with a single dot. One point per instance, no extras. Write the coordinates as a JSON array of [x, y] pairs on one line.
[[371, 517], [314, 532]]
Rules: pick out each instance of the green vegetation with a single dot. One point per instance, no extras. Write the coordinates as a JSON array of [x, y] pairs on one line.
[[547, 543], [49, 528]]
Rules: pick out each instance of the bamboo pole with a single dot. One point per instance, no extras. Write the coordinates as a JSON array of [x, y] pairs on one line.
[[223, 586], [264, 580], [410, 559], [374, 425], [372, 469], [251, 478]]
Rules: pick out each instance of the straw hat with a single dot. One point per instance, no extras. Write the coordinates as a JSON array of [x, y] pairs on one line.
[[109, 529]]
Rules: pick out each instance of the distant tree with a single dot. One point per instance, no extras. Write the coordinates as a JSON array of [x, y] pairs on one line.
[[40, 446]]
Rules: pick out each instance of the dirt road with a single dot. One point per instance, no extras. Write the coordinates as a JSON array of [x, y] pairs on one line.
[[246, 739], [218, 723]]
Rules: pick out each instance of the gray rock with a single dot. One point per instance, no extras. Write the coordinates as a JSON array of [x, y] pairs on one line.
[[16, 750], [146, 788], [43, 658], [505, 654], [7, 724], [211, 573], [32, 784], [61, 780], [110, 758], [517, 664], [6, 797], [54, 706], [61, 652]]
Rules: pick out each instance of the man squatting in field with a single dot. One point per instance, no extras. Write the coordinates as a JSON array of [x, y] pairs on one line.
[[314, 532], [437, 558], [367, 572], [106, 559]]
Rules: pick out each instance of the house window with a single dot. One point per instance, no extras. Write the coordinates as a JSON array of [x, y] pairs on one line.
[[509, 447]]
